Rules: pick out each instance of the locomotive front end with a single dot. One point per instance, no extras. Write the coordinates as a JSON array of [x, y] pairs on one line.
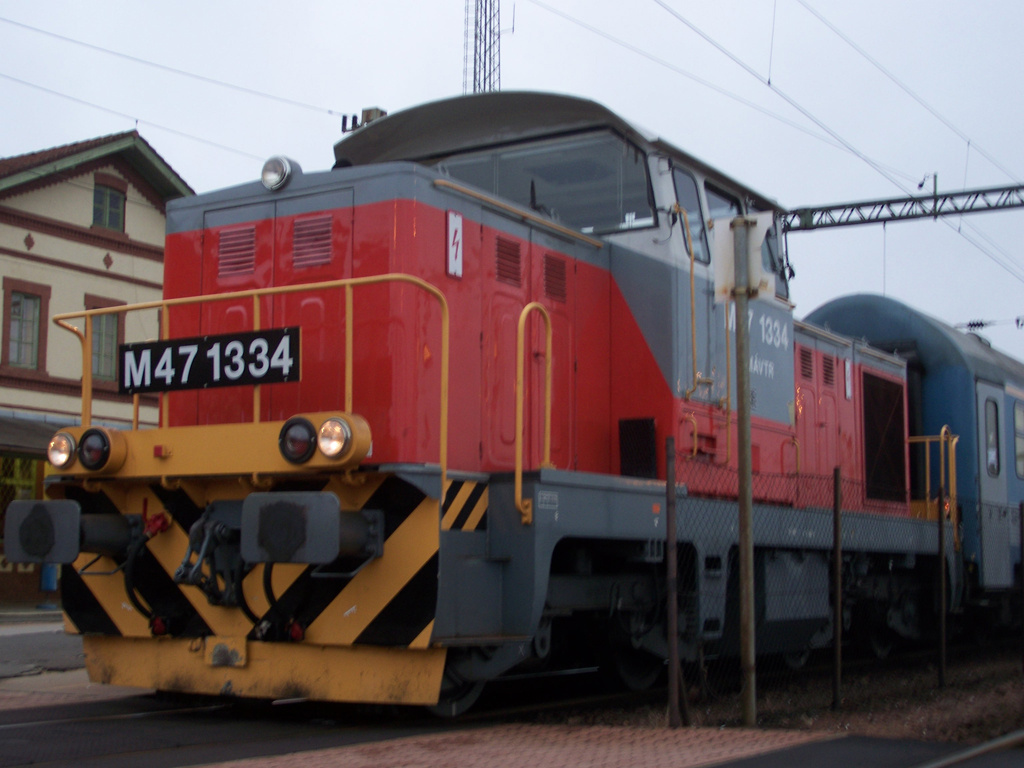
[[245, 545]]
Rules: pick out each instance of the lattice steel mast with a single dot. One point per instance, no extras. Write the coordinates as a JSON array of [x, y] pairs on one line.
[[486, 47]]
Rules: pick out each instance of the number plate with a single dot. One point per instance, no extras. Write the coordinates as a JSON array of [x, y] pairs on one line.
[[228, 360]]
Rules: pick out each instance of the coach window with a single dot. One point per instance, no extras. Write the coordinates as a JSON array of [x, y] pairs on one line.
[[689, 201], [1018, 437], [26, 306], [992, 437]]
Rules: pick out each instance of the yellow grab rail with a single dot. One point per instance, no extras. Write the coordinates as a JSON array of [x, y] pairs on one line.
[[85, 338], [525, 506], [693, 423], [947, 469]]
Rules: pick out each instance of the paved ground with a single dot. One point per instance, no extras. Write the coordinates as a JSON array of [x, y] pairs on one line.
[[41, 666]]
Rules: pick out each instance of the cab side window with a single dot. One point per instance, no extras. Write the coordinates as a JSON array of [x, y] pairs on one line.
[[721, 205], [689, 201]]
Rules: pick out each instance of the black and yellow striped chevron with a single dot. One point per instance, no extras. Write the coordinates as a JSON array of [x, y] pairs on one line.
[[389, 602]]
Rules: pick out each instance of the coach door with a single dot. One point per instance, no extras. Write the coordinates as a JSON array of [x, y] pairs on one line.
[[993, 520]]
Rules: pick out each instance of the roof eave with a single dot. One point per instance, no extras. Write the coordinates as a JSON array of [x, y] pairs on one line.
[[152, 167]]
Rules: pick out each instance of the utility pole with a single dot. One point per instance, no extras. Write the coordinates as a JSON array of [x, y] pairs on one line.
[[741, 233]]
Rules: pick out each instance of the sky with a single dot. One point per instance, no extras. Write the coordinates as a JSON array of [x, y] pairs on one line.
[[810, 102]]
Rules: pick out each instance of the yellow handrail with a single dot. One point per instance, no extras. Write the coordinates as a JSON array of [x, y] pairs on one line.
[[525, 506], [693, 422], [348, 284], [947, 469]]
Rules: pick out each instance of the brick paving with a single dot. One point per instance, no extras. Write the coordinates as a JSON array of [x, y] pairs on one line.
[[505, 746], [547, 746]]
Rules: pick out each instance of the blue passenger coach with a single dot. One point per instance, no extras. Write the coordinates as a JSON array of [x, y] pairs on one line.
[[957, 379]]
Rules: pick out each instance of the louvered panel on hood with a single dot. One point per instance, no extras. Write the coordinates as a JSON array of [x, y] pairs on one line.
[[509, 262], [828, 372], [555, 284], [807, 363], [236, 252], [311, 242]]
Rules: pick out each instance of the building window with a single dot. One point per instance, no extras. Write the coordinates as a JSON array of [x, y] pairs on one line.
[[26, 307], [108, 208], [107, 334], [24, 349]]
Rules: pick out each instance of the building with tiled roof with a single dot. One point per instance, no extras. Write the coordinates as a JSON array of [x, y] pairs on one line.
[[81, 226]]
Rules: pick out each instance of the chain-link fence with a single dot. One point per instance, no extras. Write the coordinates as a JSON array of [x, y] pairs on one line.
[[807, 634]]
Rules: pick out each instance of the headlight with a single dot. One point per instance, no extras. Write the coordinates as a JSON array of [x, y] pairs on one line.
[[276, 172], [94, 450], [297, 440], [335, 438], [61, 450]]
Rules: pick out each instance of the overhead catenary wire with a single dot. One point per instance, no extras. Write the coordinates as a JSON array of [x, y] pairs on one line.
[[683, 72], [911, 93], [1014, 269], [707, 83], [126, 116], [176, 71], [977, 325]]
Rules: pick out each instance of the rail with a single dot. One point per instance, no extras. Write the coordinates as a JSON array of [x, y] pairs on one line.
[[926, 510], [85, 338], [525, 506]]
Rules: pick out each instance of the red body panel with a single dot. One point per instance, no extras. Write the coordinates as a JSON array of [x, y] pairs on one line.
[[603, 369]]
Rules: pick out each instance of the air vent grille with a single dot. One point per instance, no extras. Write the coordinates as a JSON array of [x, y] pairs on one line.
[[806, 364], [828, 373], [554, 277], [311, 242], [509, 262], [236, 252]]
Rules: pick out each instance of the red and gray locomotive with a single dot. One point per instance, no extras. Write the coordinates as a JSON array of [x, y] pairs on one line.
[[413, 412]]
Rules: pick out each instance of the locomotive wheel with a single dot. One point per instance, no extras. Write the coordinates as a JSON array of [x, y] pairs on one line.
[[457, 695], [636, 670], [796, 660], [881, 641]]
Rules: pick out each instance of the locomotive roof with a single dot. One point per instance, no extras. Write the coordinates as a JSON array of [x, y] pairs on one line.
[[893, 326], [478, 121]]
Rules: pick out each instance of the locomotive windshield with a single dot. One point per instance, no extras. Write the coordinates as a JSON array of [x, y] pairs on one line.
[[595, 183]]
